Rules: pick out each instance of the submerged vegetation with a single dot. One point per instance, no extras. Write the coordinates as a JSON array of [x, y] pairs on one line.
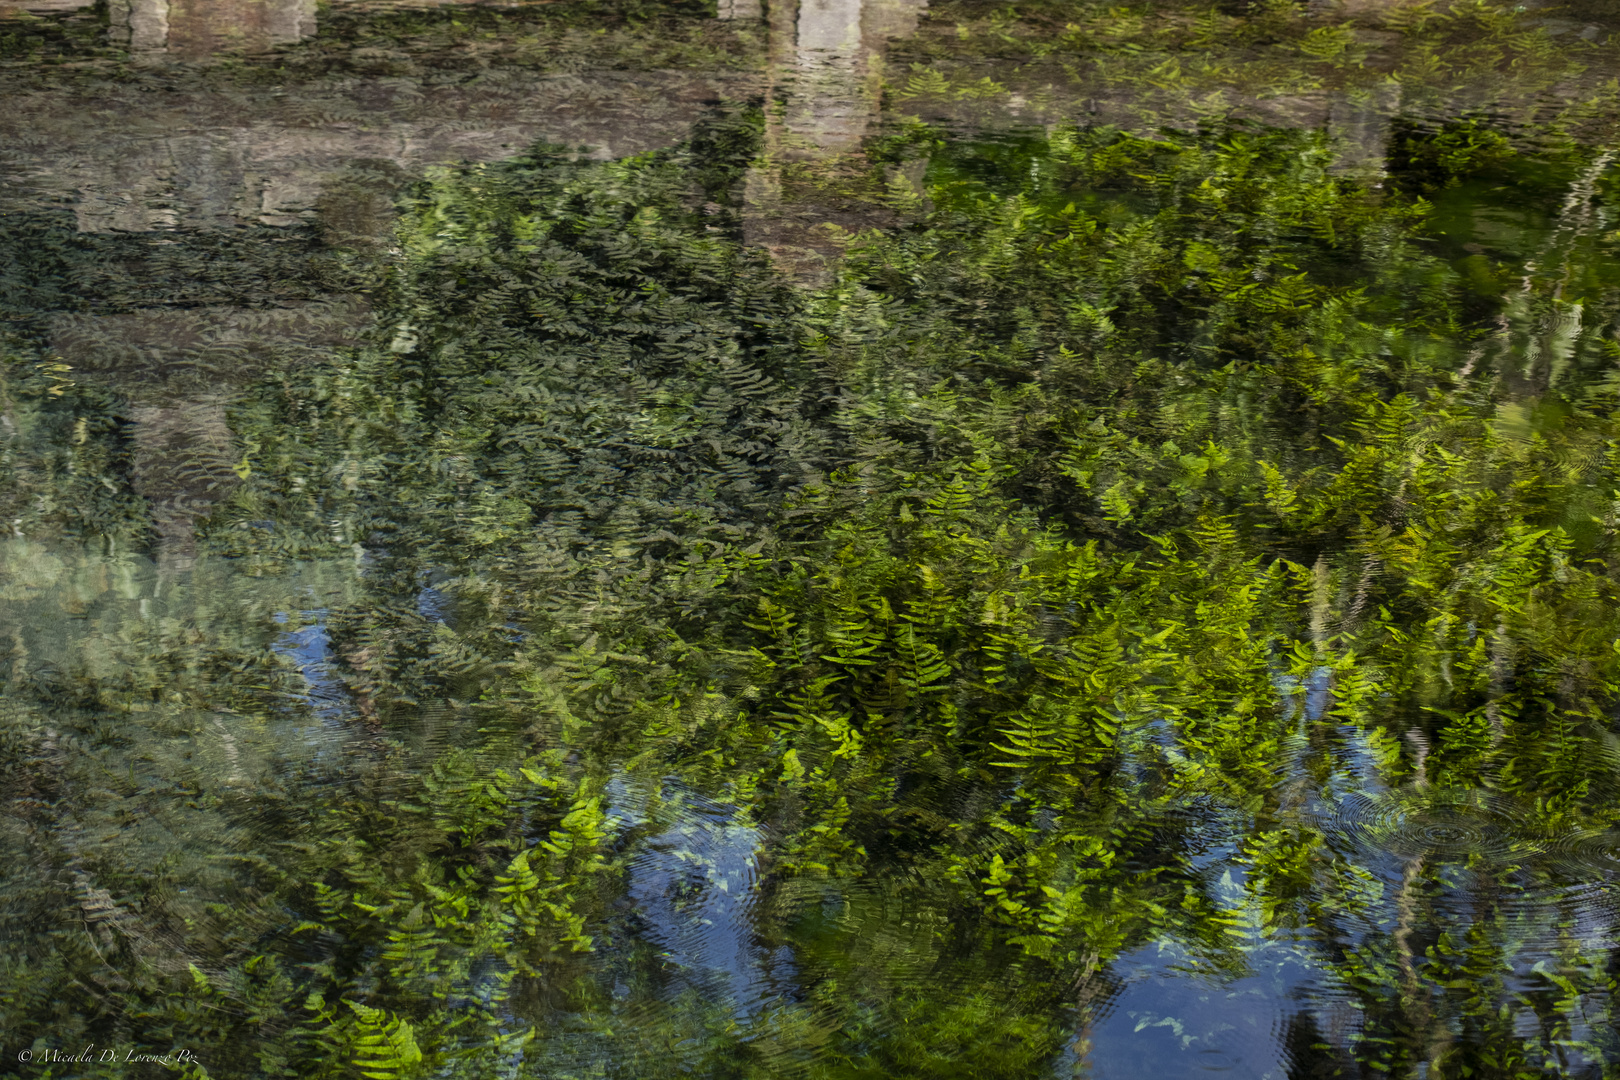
[[1164, 557]]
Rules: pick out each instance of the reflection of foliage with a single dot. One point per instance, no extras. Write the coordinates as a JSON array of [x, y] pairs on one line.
[[62, 453], [1463, 148], [1142, 499], [51, 266], [31, 37], [386, 1049], [1161, 61]]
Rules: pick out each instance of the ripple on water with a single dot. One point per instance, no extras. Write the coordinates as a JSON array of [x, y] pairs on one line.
[[692, 885], [1438, 824], [843, 927], [730, 938], [1548, 883], [1584, 856], [1578, 878]]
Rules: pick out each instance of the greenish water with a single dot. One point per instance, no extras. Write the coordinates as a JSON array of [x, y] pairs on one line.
[[848, 540]]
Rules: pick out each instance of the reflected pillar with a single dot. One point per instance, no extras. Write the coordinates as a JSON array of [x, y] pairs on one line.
[[832, 86], [826, 62], [827, 106], [142, 26], [202, 27]]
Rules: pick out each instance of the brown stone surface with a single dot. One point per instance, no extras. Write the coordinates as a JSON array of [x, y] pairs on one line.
[[141, 162]]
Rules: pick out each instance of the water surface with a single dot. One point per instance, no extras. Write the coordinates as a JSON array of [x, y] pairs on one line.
[[846, 539]]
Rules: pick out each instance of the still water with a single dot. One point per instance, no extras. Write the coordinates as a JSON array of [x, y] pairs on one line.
[[848, 538]]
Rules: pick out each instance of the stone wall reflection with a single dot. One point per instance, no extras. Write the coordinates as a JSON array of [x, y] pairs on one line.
[[195, 28], [325, 156]]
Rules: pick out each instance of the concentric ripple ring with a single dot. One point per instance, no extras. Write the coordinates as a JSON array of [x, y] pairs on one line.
[[1440, 824]]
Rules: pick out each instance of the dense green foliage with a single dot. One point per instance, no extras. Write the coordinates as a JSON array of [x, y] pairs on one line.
[[1169, 547], [1161, 61]]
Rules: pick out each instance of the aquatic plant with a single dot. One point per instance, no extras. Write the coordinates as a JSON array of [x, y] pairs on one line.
[[1155, 542]]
